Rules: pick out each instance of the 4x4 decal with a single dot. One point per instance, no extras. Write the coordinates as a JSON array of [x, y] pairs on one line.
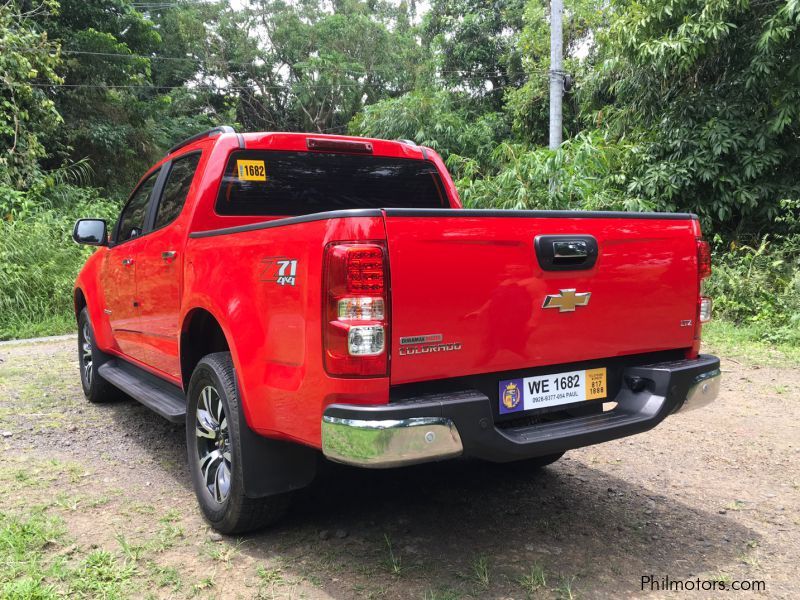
[[280, 270]]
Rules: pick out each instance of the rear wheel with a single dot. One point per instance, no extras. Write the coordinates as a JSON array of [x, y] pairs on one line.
[[215, 454], [90, 357]]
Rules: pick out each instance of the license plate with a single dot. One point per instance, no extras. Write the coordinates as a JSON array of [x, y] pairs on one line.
[[542, 391]]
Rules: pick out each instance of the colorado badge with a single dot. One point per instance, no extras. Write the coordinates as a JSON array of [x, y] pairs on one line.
[[510, 396]]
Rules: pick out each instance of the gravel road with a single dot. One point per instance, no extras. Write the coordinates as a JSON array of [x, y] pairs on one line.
[[710, 495]]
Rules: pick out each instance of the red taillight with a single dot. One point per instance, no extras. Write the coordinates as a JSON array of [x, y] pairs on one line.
[[703, 313], [703, 259], [364, 269], [355, 312]]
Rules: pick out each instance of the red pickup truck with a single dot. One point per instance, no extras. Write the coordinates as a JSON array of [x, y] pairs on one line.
[[292, 295]]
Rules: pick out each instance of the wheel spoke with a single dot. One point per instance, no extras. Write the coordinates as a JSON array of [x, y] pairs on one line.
[[209, 464], [204, 396], [206, 427], [208, 407], [219, 415], [222, 483]]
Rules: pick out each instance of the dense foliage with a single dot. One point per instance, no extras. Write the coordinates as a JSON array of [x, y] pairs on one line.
[[709, 90], [27, 58], [673, 105]]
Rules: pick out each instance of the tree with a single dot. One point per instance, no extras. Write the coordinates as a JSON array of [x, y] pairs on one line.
[[28, 61], [127, 93], [437, 119], [710, 92], [312, 66], [528, 104], [476, 42]]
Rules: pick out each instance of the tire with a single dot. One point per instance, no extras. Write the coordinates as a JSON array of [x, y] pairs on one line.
[[215, 453], [96, 389]]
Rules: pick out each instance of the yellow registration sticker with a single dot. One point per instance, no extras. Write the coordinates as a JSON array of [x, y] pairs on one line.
[[251, 170], [596, 384]]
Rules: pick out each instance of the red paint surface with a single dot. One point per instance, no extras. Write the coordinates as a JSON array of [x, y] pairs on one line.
[[475, 281]]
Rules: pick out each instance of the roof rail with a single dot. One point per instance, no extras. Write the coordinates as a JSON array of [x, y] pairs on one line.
[[213, 131]]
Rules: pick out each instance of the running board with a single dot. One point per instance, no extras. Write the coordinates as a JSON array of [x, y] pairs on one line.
[[156, 394]]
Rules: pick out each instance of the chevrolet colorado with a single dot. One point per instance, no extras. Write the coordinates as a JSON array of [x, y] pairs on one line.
[[289, 295]]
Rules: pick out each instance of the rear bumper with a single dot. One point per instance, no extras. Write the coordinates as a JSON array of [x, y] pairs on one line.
[[440, 426]]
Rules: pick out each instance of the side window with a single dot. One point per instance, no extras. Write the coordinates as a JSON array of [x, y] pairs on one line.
[[176, 189], [131, 221]]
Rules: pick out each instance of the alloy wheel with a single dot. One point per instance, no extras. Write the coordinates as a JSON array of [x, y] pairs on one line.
[[86, 354], [213, 444]]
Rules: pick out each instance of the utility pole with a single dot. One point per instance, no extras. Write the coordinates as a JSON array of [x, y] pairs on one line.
[[556, 72]]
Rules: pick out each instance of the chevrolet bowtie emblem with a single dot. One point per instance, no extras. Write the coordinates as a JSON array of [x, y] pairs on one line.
[[566, 300]]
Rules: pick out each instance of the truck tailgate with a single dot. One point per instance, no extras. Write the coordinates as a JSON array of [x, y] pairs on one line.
[[467, 290]]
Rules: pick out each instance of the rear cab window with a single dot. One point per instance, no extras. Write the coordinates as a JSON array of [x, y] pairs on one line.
[[274, 183]]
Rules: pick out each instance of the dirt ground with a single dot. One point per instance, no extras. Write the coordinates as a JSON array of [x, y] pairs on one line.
[[711, 494]]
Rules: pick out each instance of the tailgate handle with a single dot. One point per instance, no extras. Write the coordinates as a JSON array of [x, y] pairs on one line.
[[566, 252], [570, 250]]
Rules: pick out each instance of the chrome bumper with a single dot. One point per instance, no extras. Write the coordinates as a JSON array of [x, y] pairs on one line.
[[389, 443], [703, 391], [437, 426]]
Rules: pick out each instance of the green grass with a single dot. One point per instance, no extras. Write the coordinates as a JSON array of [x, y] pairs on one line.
[[480, 571], [20, 327], [534, 580], [22, 553], [566, 591], [38, 265], [34, 566], [394, 561], [747, 342]]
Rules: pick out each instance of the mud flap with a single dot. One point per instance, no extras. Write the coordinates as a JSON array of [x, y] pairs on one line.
[[272, 466]]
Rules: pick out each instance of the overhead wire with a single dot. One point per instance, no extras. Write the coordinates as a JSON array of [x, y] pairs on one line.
[[251, 63]]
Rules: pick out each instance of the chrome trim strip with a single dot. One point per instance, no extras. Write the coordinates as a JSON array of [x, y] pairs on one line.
[[389, 443], [703, 391]]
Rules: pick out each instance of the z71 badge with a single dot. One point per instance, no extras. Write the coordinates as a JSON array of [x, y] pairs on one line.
[[280, 270]]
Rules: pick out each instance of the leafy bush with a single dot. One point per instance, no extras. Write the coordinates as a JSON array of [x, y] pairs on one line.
[[438, 119], [758, 285], [586, 172], [39, 262], [708, 92]]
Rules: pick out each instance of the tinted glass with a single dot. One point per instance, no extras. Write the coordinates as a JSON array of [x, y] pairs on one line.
[[299, 183], [90, 231], [176, 189], [133, 215]]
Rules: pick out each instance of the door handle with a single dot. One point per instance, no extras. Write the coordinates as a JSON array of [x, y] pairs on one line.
[[168, 255], [127, 262]]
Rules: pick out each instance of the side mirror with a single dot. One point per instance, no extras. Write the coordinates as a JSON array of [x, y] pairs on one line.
[[91, 232]]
